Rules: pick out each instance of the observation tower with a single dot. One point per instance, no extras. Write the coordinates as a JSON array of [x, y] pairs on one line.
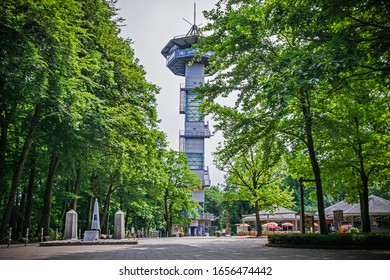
[[179, 53]]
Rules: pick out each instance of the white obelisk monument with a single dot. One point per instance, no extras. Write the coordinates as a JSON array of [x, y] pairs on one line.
[[95, 219]]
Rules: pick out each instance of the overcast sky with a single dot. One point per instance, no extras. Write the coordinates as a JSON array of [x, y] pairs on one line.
[[151, 24]]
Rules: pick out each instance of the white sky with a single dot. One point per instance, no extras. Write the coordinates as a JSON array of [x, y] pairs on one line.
[[151, 24]]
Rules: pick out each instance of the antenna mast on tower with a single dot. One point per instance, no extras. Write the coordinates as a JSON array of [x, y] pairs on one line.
[[194, 27]]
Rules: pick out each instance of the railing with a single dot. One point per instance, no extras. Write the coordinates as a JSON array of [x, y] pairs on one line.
[[206, 216], [186, 53], [186, 35], [196, 133]]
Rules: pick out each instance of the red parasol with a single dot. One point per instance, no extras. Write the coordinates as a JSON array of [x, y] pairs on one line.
[[271, 225], [287, 225]]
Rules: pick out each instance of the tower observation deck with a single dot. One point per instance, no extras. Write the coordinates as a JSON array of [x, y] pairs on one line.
[[180, 53]]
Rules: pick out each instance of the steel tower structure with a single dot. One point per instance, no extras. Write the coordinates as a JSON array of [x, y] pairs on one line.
[[180, 53]]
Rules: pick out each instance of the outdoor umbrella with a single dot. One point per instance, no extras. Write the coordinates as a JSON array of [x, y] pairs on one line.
[[271, 225], [287, 225]]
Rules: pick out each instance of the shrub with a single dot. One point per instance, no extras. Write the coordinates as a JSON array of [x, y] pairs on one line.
[[247, 233], [376, 240], [353, 230]]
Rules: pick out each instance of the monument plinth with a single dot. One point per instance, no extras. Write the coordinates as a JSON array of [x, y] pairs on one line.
[[119, 227], [71, 225], [94, 233]]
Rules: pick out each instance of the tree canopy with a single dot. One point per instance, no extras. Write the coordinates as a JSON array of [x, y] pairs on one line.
[[78, 120]]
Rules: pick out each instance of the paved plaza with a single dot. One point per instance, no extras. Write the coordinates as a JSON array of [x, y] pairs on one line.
[[187, 248]]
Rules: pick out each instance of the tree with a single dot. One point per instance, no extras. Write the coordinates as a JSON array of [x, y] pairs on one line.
[[215, 203], [269, 70], [178, 181], [256, 173], [54, 56], [358, 158]]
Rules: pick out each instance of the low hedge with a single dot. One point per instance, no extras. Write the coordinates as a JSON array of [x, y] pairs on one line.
[[370, 240]]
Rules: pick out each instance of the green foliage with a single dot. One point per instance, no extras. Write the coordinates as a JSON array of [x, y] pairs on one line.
[[97, 114], [353, 230], [254, 175], [215, 203], [337, 240], [321, 89], [177, 182]]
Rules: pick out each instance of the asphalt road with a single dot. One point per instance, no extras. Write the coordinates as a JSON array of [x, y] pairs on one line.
[[187, 248]]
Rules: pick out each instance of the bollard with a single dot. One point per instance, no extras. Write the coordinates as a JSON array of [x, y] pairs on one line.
[[80, 237], [56, 233], [42, 235], [10, 237], [26, 240]]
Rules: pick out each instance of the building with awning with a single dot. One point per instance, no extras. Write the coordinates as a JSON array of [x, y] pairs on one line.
[[280, 215], [379, 209], [348, 216]]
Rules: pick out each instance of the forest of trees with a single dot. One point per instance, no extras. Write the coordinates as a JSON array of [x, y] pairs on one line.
[[312, 76], [78, 121]]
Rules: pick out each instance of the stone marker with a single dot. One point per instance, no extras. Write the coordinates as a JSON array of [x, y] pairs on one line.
[[95, 219], [71, 225], [119, 227]]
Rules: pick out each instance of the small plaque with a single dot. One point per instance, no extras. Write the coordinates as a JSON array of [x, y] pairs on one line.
[[90, 235], [338, 215]]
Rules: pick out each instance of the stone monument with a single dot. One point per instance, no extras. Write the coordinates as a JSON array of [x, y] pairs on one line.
[[95, 217], [94, 233], [71, 225], [119, 226]]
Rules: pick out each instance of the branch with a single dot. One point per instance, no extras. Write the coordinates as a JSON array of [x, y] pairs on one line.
[[354, 167], [295, 135], [374, 69], [239, 175], [368, 23]]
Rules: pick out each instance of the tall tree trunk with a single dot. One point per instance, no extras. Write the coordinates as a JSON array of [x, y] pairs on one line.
[[21, 210], [364, 204], [19, 169], [76, 189], [15, 216], [170, 219], [106, 209], [227, 219], [65, 206], [29, 199], [3, 147], [127, 218], [258, 222], [363, 192], [45, 219], [94, 184], [305, 105], [168, 225]]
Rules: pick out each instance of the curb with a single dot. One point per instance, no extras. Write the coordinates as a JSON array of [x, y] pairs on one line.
[[312, 246], [86, 243]]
